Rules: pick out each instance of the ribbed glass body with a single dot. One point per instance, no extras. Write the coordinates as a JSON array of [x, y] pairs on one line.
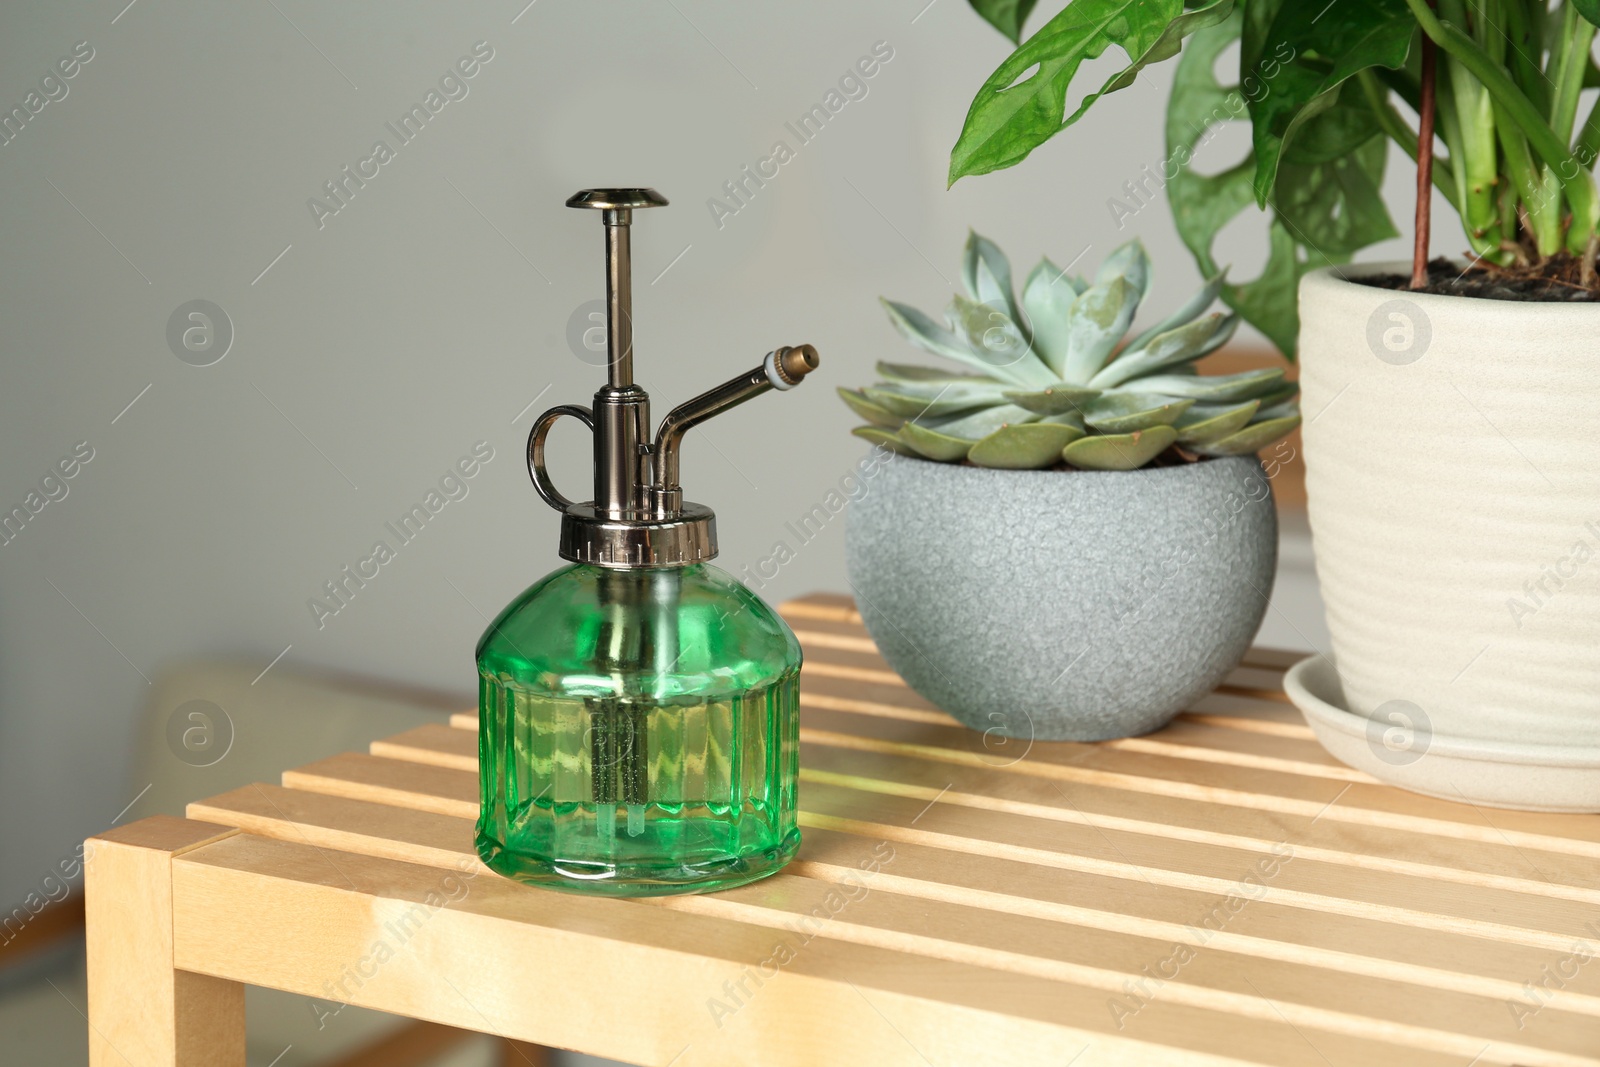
[[638, 733]]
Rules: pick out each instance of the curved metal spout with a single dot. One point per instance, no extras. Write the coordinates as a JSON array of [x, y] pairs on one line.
[[782, 369]]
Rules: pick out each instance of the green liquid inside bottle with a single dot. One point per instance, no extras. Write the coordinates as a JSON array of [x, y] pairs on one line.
[[638, 733]]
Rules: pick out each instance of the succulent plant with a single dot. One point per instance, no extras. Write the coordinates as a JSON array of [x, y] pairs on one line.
[[1052, 386]]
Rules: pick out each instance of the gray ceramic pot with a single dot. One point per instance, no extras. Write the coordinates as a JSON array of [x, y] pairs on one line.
[[1063, 605]]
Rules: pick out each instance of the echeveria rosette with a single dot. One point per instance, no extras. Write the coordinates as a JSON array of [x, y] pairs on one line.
[[1052, 385]]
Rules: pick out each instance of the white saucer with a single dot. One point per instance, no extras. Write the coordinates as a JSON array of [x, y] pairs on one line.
[[1499, 774]]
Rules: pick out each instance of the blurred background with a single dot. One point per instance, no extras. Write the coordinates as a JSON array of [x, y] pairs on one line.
[[354, 347]]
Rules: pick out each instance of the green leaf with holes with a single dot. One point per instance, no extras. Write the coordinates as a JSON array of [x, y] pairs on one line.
[[1326, 46], [1204, 204], [1337, 206], [1007, 16], [1023, 103]]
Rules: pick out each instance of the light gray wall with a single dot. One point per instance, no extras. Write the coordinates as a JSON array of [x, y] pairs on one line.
[[432, 310]]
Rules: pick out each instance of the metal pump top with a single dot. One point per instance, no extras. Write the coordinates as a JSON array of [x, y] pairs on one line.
[[638, 517]]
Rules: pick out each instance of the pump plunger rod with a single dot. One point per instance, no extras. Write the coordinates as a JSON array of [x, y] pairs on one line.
[[638, 517]]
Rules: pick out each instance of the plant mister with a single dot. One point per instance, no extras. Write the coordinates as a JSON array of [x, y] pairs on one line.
[[638, 728]]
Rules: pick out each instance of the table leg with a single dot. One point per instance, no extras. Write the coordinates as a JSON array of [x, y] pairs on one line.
[[143, 1011]]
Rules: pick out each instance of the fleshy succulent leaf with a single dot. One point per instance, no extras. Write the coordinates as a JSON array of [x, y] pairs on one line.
[[1047, 298], [965, 392], [934, 445], [1096, 322], [978, 424], [874, 413], [1253, 438], [917, 407], [1126, 412], [1192, 309], [926, 334], [877, 435], [1186, 343], [1282, 409], [1050, 385], [1026, 447], [1054, 400], [997, 344], [986, 272], [1119, 452], [1282, 394], [1072, 419], [910, 372], [1196, 429], [1211, 388], [1129, 262]]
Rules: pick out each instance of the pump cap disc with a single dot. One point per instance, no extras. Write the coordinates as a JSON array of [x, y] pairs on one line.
[[613, 199]]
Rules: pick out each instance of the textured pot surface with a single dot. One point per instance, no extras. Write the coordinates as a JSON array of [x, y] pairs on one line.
[[1057, 605], [1453, 474]]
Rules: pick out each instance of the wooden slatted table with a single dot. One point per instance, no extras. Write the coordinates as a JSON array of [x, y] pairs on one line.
[[1219, 892]]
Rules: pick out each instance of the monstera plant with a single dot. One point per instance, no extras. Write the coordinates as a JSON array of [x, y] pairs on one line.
[[1322, 86], [1441, 675], [1053, 387]]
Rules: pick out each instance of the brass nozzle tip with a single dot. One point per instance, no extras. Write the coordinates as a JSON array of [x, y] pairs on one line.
[[796, 363]]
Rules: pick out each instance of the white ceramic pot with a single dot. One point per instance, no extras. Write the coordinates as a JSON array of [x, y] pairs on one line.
[[1452, 452]]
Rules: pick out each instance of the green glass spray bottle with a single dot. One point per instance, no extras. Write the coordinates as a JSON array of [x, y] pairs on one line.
[[638, 709]]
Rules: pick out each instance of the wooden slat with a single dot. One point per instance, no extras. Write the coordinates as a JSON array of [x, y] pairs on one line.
[[1492, 865], [1034, 894], [1085, 898], [558, 968], [1028, 940]]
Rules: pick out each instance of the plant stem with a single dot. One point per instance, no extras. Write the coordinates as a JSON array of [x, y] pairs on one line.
[[1587, 146], [1522, 38], [1569, 61], [1473, 152], [1424, 222], [1514, 105], [1540, 198]]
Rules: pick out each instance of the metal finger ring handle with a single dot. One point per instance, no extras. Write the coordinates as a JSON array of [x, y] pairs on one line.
[[536, 436]]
